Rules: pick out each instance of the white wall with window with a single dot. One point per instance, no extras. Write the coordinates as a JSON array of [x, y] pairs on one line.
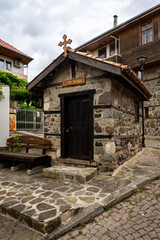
[[109, 50], [10, 65]]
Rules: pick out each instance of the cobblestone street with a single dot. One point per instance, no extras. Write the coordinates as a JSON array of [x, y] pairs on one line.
[[137, 217]]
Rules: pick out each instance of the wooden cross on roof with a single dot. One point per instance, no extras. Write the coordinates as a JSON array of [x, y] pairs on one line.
[[65, 44]]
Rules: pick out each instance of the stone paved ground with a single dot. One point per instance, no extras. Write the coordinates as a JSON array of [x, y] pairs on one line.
[[136, 218], [43, 203], [53, 207]]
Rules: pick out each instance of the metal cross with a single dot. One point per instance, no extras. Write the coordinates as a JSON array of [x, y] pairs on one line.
[[65, 44]]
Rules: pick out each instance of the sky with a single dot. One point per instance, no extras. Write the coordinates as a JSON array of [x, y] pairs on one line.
[[35, 27]]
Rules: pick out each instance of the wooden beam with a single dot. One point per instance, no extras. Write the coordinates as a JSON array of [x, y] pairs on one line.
[[79, 162]]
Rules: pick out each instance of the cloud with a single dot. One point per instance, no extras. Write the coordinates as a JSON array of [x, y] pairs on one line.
[[37, 26]]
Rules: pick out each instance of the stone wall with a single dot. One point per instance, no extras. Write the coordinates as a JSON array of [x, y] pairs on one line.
[[118, 122], [152, 107], [116, 134]]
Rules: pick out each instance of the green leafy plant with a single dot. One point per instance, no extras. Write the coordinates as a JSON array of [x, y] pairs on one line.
[[1, 93], [80, 232], [17, 147], [82, 224], [18, 90]]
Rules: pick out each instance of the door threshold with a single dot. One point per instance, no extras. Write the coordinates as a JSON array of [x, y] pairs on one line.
[[78, 161]]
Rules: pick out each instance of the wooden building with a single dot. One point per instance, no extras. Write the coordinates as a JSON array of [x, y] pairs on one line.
[[92, 109], [124, 43]]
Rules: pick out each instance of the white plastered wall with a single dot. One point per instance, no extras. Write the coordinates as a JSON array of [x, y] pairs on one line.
[[4, 116]]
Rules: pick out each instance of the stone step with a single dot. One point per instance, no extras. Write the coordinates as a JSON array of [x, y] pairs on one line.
[[67, 173]]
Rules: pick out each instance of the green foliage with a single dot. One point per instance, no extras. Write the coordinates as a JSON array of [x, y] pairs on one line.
[[17, 145], [1, 93], [18, 90], [158, 178], [82, 224], [10, 149], [24, 105], [80, 232]]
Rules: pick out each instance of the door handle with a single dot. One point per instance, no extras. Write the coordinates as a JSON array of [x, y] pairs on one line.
[[67, 130]]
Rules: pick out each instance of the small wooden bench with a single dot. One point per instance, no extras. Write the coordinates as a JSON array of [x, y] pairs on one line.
[[27, 142]]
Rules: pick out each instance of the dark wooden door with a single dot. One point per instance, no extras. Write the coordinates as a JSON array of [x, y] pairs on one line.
[[76, 127]]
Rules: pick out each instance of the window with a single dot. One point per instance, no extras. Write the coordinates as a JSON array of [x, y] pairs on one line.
[[147, 33], [1, 63], [102, 53], [136, 112], [8, 65]]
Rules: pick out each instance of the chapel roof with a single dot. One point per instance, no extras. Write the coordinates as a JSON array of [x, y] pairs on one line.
[[124, 68], [115, 68]]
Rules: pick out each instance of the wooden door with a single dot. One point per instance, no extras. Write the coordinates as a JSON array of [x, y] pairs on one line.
[[77, 138]]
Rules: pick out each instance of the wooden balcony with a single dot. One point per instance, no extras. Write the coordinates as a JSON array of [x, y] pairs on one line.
[[115, 58]]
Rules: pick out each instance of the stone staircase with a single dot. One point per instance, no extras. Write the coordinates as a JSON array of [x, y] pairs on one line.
[[70, 173]]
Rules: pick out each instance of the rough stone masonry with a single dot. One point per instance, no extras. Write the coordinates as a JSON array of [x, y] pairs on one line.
[[117, 135]]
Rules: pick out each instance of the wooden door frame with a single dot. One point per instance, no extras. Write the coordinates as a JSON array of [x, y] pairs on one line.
[[62, 103]]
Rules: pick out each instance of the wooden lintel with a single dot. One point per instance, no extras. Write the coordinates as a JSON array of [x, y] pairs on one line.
[[78, 162], [116, 136], [52, 112]]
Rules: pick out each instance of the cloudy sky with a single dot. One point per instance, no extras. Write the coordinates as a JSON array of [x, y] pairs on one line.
[[36, 26]]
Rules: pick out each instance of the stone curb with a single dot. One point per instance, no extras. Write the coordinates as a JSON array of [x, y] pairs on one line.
[[97, 209], [84, 216], [40, 226]]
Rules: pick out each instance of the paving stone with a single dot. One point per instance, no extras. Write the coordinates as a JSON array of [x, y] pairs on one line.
[[37, 200], [8, 199], [11, 193], [55, 195], [87, 199], [62, 189], [72, 200], [46, 215], [8, 202], [5, 183], [2, 192], [43, 206], [64, 208], [93, 189], [19, 207], [60, 202], [29, 213], [27, 199], [46, 194]]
